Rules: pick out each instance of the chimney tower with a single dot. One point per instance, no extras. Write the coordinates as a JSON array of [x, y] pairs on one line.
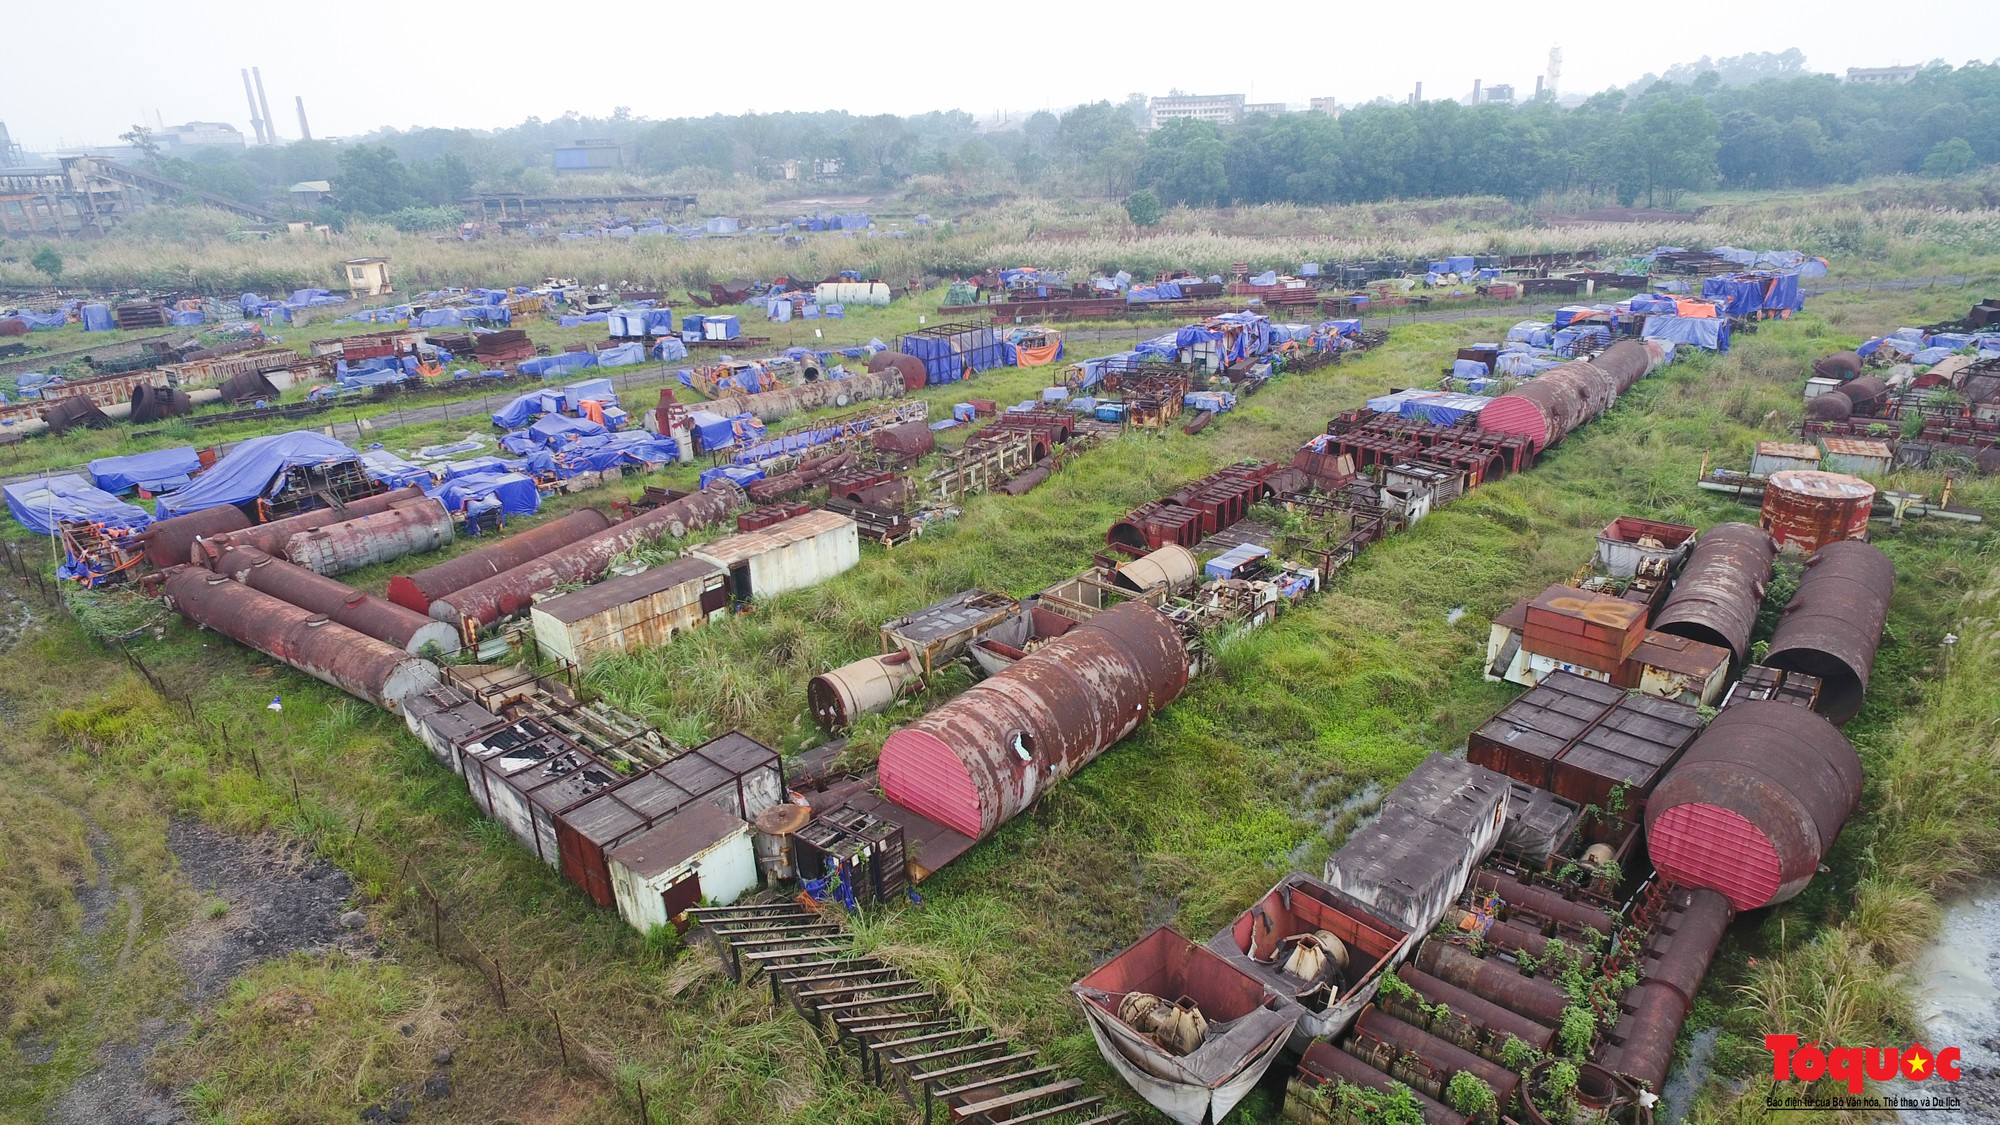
[[305, 130], [264, 103], [256, 119]]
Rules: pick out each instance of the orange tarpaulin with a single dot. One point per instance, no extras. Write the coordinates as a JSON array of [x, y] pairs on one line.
[[1025, 356], [592, 409], [1699, 310]]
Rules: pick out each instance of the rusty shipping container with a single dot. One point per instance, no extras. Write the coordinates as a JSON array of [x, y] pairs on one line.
[[341, 603], [411, 528], [1716, 599], [364, 667], [511, 591], [170, 542], [1805, 509], [643, 610], [417, 591], [1754, 804], [270, 537], [978, 760], [1834, 624]]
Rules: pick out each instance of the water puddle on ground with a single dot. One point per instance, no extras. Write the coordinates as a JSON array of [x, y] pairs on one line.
[[1957, 981]]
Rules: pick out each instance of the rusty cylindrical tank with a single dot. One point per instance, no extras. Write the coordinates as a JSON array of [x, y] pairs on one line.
[[412, 528], [773, 405], [76, 411], [1329, 1063], [1540, 1000], [1868, 394], [908, 366], [1829, 407], [1646, 1033], [844, 694], [1629, 361], [171, 541], [248, 386], [1445, 1056], [151, 403], [1029, 478], [345, 605], [363, 667], [1834, 623], [1840, 365], [417, 591], [911, 439], [1716, 598], [1805, 509], [1540, 900], [1172, 566], [1754, 804], [270, 537], [978, 760], [1678, 952], [1500, 1023], [511, 591]]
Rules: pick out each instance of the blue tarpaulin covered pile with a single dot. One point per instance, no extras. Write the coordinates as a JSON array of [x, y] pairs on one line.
[[515, 492], [557, 366], [247, 471], [382, 465], [532, 405], [1448, 409], [949, 358], [159, 471], [741, 474], [38, 504], [558, 430], [1711, 332]]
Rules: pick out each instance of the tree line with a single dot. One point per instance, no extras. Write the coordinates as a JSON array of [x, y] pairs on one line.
[[1751, 122]]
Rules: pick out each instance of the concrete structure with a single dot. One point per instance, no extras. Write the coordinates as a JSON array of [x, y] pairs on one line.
[[703, 853], [638, 610], [198, 134], [1882, 75], [785, 556], [1328, 106], [308, 194], [367, 277], [1223, 109], [1274, 109], [590, 156]]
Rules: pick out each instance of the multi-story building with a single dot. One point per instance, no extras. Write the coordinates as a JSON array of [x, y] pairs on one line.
[[1328, 106], [1271, 108], [1222, 109], [1882, 75], [199, 134]]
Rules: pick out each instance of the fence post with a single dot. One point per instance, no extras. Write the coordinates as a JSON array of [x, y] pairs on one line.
[[562, 1045], [645, 1111], [500, 983]]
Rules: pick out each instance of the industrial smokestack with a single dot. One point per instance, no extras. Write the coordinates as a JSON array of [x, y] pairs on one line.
[[257, 119], [305, 130], [1475, 91], [1538, 85], [264, 103], [1418, 97]]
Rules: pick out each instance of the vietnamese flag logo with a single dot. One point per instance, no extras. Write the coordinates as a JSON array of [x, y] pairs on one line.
[[1917, 1063]]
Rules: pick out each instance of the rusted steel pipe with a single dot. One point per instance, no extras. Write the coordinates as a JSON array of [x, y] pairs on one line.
[[1539, 1000], [270, 537], [1439, 1053], [412, 528], [345, 605], [1500, 1023], [1681, 947], [1834, 623], [1643, 1040], [170, 542], [1754, 803], [1716, 599], [871, 684], [417, 591], [1543, 901], [512, 591], [978, 760], [363, 667], [1327, 1063], [1025, 483]]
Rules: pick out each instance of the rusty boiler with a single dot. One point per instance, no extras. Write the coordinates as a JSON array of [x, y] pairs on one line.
[[343, 604], [170, 542], [1805, 509], [978, 760], [270, 538], [417, 591], [1834, 624], [1716, 599], [364, 667], [908, 366], [410, 528]]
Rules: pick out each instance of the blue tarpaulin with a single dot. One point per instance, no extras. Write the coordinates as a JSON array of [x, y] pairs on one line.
[[515, 492], [557, 430], [557, 366], [609, 450], [158, 471], [382, 465], [1469, 369], [595, 390], [1711, 332], [38, 504], [247, 471], [97, 318], [1447, 409], [950, 358], [741, 474], [516, 414], [624, 355]]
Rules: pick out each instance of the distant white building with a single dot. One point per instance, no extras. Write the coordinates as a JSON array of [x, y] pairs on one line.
[[198, 134], [1222, 109], [1882, 75], [1273, 108], [1328, 106]]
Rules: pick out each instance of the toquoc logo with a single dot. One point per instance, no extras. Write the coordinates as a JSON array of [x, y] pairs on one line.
[[1792, 1062]]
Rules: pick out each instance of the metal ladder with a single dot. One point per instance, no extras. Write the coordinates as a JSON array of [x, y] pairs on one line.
[[904, 1037]]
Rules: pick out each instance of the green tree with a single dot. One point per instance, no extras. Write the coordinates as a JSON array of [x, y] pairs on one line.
[[141, 138], [1187, 162], [1143, 208], [47, 260], [1949, 158], [372, 181]]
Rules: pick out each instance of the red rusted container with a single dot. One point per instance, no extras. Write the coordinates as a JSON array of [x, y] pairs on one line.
[[1805, 509], [1834, 623], [170, 542], [364, 667], [978, 760], [411, 528], [908, 366], [270, 537], [1716, 599], [1754, 804], [512, 591], [417, 591], [345, 605]]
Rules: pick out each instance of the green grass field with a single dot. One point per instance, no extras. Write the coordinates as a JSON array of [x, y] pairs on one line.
[[1245, 777]]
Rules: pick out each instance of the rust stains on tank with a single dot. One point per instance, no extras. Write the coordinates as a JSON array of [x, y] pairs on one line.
[[1805, 509], [1716, 599], [1834, 624], [170, 542], [417, 591], [410, 528], [270, 537]]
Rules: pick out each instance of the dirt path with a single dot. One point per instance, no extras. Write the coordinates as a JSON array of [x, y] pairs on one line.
[[276, 899]]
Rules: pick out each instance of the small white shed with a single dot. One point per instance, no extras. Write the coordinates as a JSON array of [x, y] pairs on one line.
[[702, 853], [785, 556]]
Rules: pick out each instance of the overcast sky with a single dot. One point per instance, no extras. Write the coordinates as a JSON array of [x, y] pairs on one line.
[[67, 78]]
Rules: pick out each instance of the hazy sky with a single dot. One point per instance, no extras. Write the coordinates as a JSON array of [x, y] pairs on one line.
[[360, 66]]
